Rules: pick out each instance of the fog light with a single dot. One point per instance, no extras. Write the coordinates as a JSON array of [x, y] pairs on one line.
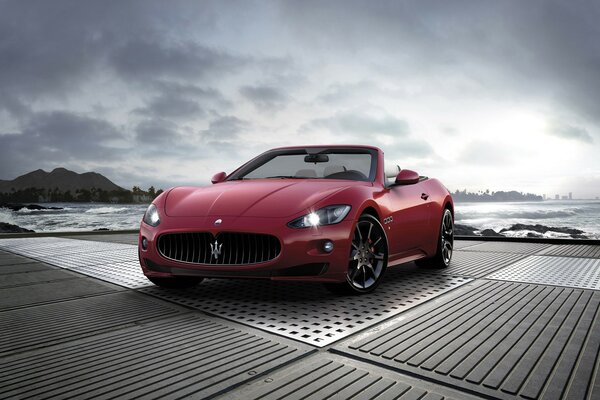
[[328, 246], [144, 243]]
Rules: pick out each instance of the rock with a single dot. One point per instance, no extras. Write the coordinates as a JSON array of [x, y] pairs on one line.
[[464, 230], [34, 207], [10, 228], [543, 229], [490, 232], [534, 235]]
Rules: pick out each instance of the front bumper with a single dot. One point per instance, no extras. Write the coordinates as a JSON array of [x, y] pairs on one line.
[[301, 258]]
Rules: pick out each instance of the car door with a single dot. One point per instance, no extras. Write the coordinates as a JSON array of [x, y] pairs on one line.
[[409, 206]]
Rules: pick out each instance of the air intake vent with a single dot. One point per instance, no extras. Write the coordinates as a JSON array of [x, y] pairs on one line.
[[228, 248]]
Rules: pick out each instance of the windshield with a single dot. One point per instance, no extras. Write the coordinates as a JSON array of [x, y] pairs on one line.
[[349, 164]]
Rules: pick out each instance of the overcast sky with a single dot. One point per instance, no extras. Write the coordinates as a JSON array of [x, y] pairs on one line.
[[492, 95]]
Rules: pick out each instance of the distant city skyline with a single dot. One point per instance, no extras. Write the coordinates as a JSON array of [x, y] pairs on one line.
[[482, 95]]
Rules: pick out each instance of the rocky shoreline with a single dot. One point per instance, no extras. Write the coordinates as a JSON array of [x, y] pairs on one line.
[[10, 228], [33, 207], [516, 230], [533, 231]]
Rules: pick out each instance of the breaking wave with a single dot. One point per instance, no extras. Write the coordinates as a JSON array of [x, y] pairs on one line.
[[107, 210]]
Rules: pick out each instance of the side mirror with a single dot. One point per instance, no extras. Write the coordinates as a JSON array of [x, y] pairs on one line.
[[218, 177], [407, 177]]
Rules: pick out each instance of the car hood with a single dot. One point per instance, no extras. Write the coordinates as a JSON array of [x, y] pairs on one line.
[[251, 198]]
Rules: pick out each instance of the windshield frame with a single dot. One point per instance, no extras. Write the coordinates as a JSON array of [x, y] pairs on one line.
[[262, 159]]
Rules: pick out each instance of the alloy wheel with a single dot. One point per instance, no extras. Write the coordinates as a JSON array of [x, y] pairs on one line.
[[447, 237], [368, 254]]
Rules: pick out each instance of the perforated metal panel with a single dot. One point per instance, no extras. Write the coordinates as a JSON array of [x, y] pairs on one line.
[[559, 271], [509, 247], [125, 238], [112, 262], [499, 339], [127, 274], [572, 250], [308, 312]]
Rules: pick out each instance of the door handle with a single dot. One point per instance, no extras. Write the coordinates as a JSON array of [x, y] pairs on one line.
[[424, 196]]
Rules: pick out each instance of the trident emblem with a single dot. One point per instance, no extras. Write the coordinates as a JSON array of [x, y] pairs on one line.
[[215, 249]]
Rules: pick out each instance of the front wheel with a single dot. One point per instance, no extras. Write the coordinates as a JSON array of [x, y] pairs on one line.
[[367, 260], [175, 282], [445, 244]]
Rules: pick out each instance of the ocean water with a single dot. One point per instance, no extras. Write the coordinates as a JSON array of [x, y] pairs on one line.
[[76, 217], [579, 214]]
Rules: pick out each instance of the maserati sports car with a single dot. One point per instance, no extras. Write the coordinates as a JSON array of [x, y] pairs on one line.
[[328, 214]]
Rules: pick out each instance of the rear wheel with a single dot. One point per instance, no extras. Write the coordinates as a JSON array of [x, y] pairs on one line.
[[175, 282], [367, 259], [445, 245]]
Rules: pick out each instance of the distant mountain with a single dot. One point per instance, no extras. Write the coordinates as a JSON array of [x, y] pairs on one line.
[[60, 178]]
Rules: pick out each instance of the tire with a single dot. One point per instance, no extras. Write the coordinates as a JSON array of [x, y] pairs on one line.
[[175, 282], [367, 259], [445, 244]]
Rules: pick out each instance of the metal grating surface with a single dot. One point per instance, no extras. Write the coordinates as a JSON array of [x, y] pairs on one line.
[[572, 250], [327, 376], [308, 312], [183, 357], [19, 296], [35, 277], [509, 247], [31, 266], [499, 339], [461, 244], [560, 271], [112, 262], [9, 259], [479, 263], [34, 327]]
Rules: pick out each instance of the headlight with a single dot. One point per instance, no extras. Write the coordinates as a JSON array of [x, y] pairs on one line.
[[151, 216], [325, 216]]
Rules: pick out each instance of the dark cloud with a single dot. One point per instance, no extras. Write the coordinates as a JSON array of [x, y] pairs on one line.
[[566, 131], [13, 106], [56, 49], [145, 59], [206, 95], [224, 128], [182, 101], [166, 106], [265, 97], [157, 132], [49, 139], [362, 125]]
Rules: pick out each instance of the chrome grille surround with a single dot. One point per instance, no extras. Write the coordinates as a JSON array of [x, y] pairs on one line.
[[227, 248]]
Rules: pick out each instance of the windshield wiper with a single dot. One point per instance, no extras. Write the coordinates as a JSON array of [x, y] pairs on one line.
[[286, 177]]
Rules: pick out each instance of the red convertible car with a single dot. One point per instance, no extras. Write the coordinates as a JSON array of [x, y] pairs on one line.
[[313, 213]]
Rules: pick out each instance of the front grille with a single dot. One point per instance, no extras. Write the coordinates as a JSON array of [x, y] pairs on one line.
[[228, 248]]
